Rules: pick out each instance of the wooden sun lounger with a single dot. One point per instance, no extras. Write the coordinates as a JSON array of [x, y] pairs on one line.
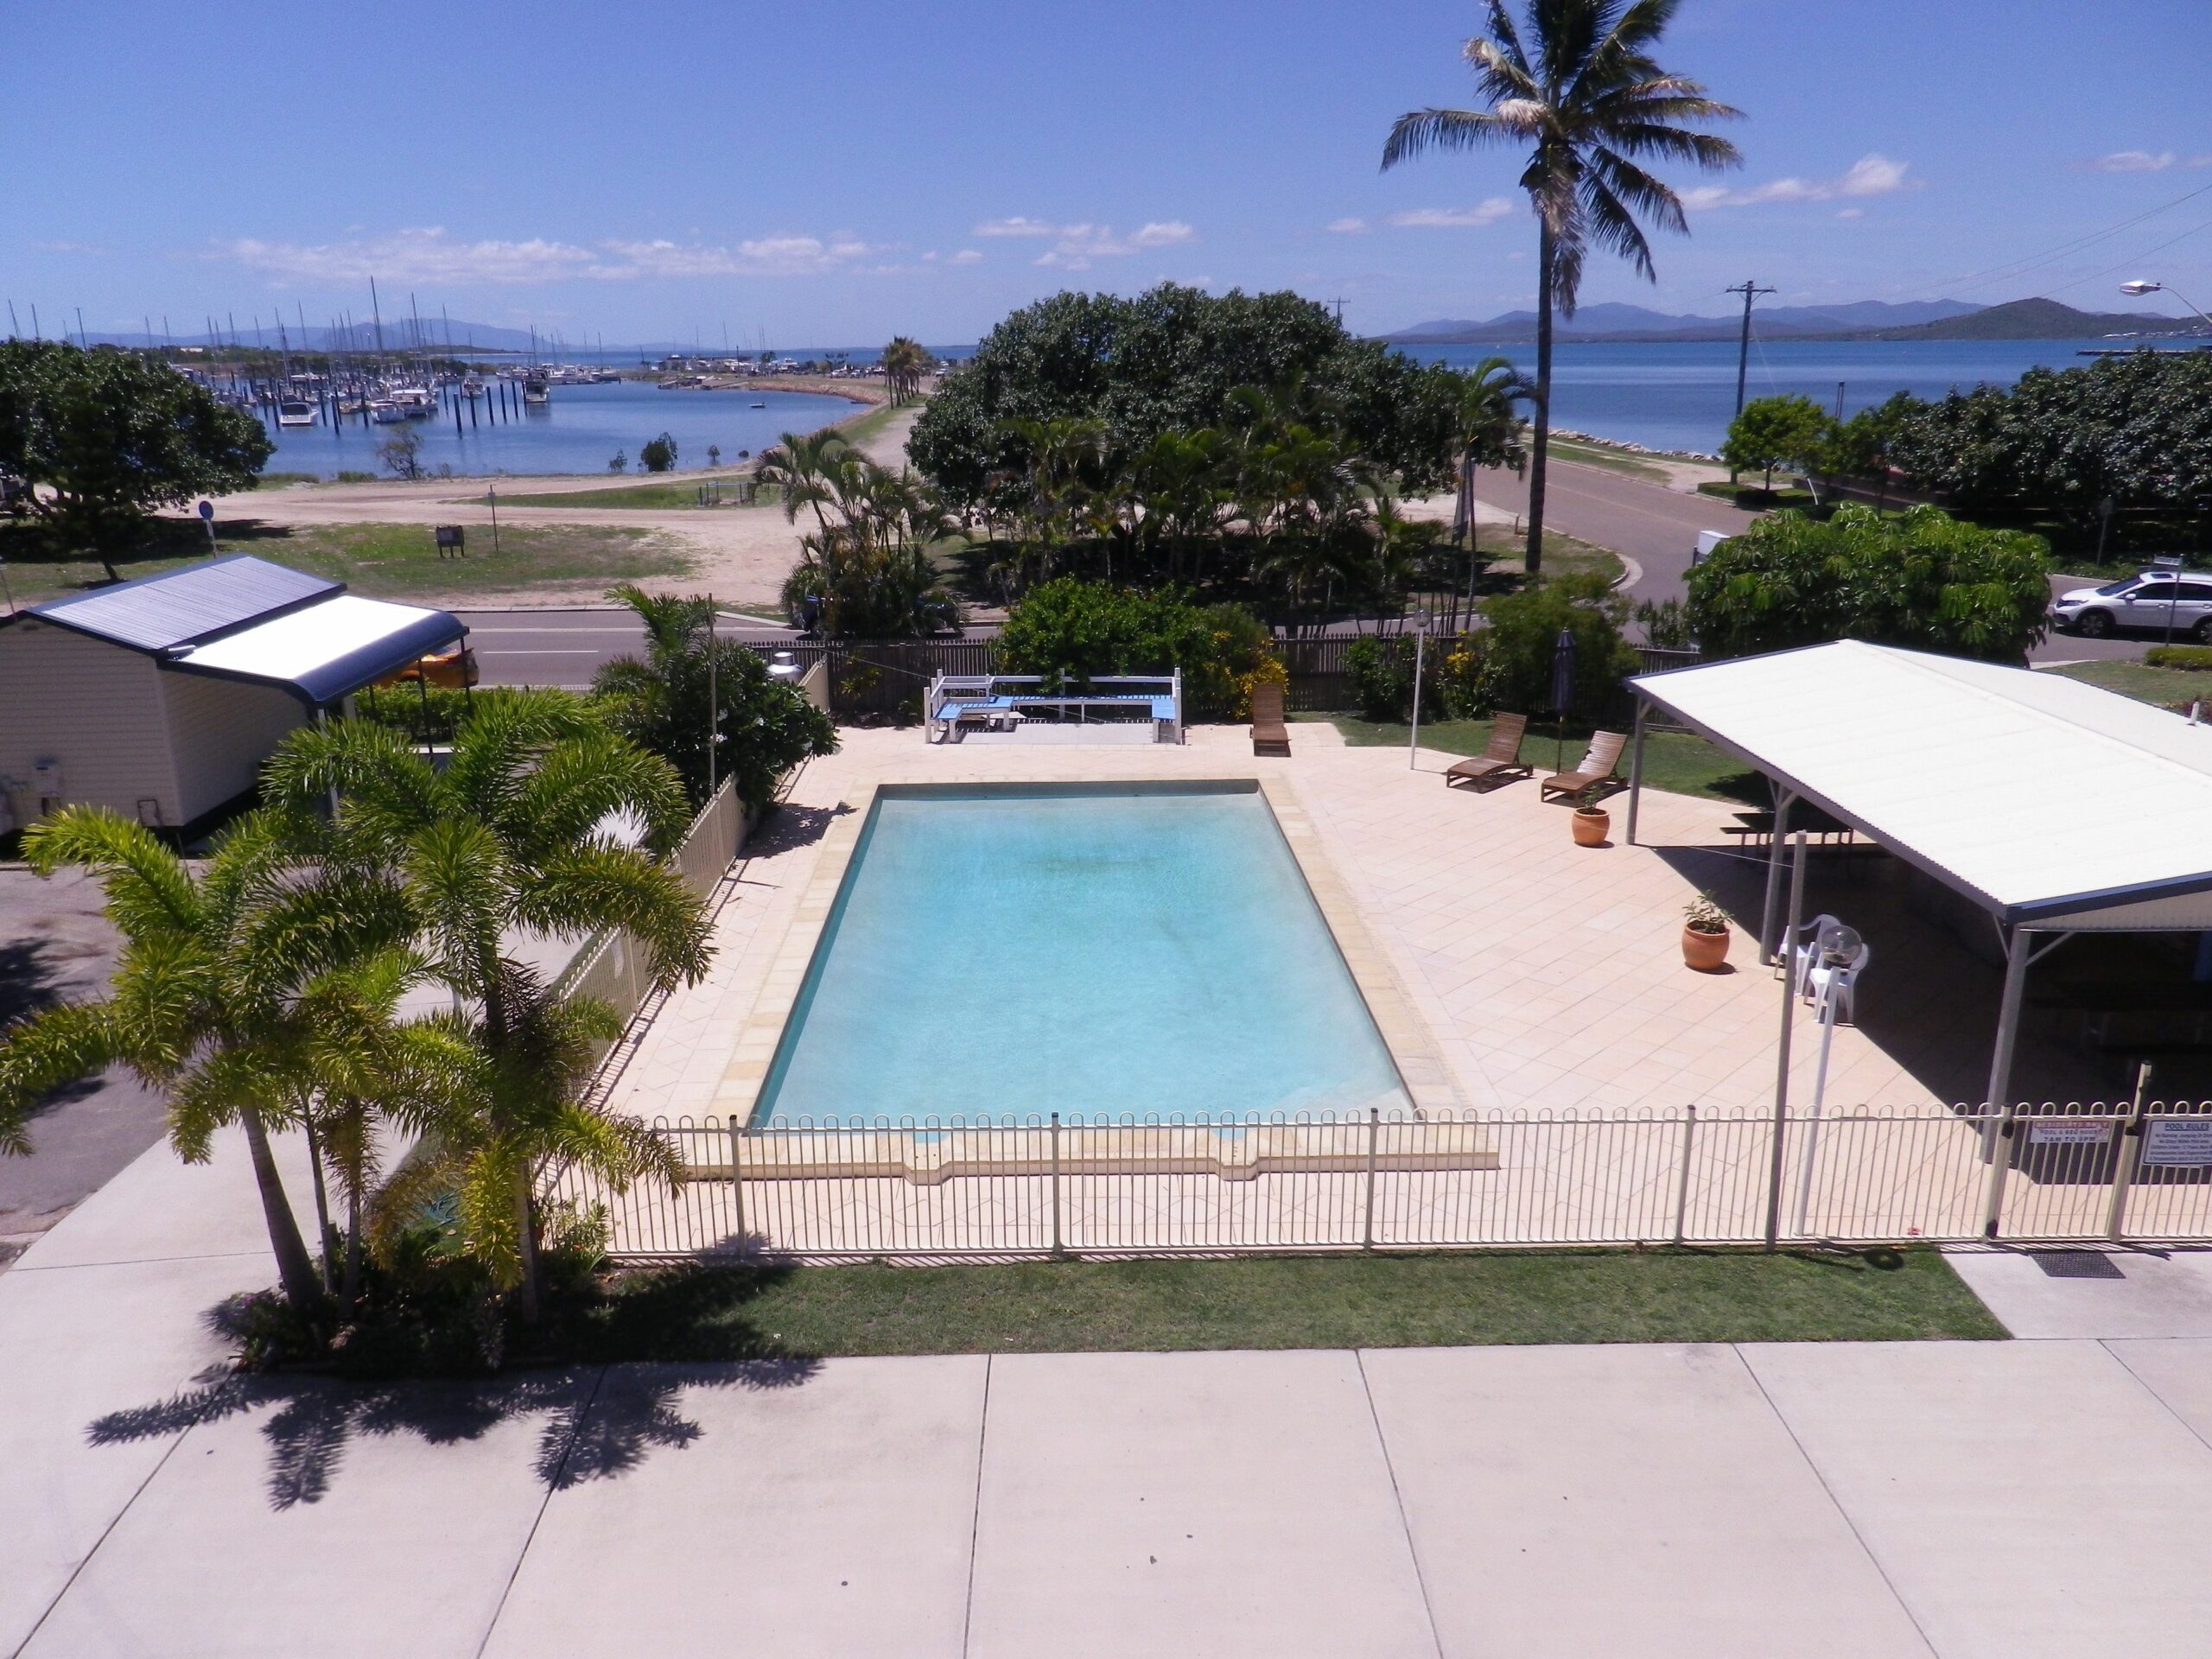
[[1595, 771], [1500, 763], [1269, 734]]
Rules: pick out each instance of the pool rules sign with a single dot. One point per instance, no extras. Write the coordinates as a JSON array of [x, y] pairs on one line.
[[2178, 1142]]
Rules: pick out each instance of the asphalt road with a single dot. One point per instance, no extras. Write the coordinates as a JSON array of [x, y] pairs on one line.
[[55, 947], [565, 647], [1658, 528]]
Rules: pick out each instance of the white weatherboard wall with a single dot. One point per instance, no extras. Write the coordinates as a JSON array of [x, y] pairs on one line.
[[220, 732], [123, 731], [95, 707]]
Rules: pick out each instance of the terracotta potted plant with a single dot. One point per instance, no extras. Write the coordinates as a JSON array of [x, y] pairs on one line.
[[1591, 822], [1704, 935]]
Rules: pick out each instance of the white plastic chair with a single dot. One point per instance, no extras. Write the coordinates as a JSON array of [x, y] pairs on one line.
[[1805, 950], [1840, 985]]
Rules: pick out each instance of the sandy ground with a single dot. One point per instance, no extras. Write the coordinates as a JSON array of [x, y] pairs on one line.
[[740, 555]]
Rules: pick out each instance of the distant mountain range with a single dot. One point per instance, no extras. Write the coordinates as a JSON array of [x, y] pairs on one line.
[[1860, 320]]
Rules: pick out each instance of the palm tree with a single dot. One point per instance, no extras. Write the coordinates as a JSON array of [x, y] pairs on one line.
[[661, 701], [207, 998], [1488, 424], [515, 835], [801, 465], [1590, 102], [904, 361]]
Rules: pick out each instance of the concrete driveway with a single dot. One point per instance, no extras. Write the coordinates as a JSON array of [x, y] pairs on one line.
[[55, 947]]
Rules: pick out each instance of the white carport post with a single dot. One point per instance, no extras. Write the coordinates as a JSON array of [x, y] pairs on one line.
[[1770, 948], [2020, 955], [1635, 767]]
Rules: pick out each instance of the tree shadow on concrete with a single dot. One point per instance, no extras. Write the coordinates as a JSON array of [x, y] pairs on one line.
[[598, 1419], [792, 825]]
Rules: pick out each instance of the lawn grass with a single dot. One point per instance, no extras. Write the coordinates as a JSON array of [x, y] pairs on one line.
[[1274, 1302], [1677, 762], [1562, 554], [660, 496], [2164, 686], [1613, 461], [379, 561]]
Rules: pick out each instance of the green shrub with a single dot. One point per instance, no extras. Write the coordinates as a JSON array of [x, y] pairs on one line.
[[1922, 580], [1071, 631], [2197, 657], [1524, 629]]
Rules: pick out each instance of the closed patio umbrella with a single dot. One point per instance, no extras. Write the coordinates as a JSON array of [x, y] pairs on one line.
[[1563, 691]]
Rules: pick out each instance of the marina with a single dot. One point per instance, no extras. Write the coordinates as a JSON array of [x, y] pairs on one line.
[[532, 424]]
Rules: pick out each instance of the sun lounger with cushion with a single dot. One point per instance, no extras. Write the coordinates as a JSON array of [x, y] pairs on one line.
[[1595, 771], [1499, 763]]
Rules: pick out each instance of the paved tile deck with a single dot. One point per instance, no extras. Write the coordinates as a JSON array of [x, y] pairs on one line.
[[1549, 974]]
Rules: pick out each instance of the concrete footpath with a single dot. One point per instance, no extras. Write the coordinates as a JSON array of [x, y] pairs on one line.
[[2017, 1499]]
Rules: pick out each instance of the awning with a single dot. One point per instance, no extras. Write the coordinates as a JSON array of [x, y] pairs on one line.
[[2050, 803], [326, 651]]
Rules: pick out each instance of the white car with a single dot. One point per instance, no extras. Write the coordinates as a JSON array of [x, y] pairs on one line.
[[2153, 602]]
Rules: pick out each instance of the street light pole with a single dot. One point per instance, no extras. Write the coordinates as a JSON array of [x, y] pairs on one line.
[[2138, 289]]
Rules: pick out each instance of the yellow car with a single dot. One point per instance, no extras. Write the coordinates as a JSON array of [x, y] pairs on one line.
[[454, 668]]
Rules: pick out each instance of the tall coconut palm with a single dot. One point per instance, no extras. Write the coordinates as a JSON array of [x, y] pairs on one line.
[[801, 465], [1585, 97], [514, 836], [206, 1000]]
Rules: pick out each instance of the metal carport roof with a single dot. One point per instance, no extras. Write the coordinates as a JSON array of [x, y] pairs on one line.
[[326, 651], [2049, 802]]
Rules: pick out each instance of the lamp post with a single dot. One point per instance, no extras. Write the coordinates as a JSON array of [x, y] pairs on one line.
[[1835, 949], [2138, 288]]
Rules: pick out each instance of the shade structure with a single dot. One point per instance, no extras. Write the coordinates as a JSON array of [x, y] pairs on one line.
[[2052, 804], [326, 651]]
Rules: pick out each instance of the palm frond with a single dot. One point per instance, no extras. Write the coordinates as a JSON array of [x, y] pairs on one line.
[[146, 884], [43, 1050]]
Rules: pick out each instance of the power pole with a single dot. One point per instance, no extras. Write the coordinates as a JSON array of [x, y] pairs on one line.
[[1750, 291]]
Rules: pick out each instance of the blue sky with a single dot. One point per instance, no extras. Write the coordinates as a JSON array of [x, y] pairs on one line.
[[832, 175]]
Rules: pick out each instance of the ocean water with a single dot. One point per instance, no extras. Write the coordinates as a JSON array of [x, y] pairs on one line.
[[578, 432], [1682, 395], [997, 954]]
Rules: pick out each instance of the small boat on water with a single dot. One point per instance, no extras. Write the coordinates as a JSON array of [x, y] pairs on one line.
[[759, 404], [384, 412], [295, 411], [536, 389], [416, 403]]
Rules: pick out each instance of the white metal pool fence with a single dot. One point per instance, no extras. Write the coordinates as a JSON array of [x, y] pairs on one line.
[[1383, 1181], [607, 965]]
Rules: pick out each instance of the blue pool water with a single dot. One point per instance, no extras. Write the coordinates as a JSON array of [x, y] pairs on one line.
[[997, 954]]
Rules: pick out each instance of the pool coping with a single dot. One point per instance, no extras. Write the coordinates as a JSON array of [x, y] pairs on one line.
[[1406, 1038]]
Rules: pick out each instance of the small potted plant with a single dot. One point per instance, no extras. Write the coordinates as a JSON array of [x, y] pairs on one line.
[[1591, 822], [1704, 935]]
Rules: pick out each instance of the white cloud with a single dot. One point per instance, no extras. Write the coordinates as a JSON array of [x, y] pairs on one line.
[[1869, 175], [428, 256], [1851, 212], [1487, 212], [966, 257], [2131, 160], [1074, 246], [1348, 226]]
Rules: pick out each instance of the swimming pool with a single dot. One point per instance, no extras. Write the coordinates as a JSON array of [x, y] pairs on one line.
[[997, 953]]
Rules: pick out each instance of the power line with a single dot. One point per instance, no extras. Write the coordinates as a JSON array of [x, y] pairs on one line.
[[1989, 275]]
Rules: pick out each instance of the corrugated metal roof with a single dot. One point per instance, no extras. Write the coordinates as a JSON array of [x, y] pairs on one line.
[[159, 613], [322, 652], [2042, 797]]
